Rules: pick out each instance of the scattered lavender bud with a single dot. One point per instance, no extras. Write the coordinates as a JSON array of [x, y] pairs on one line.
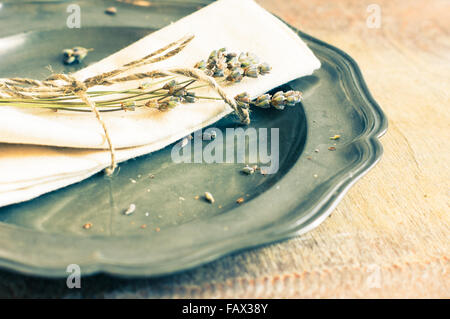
[[80, 53], [169, 85], [248, 170], [67, 53], [209, 197], [75, 54], [130, 210], [111, 10], [144, 86]]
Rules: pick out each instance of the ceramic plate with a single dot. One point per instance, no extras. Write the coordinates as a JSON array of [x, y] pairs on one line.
[[44, 235]]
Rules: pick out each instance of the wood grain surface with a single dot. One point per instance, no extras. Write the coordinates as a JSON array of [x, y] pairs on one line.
[[389, 237]]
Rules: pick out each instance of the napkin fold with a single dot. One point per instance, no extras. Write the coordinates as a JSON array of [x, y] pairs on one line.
[[41, 150]]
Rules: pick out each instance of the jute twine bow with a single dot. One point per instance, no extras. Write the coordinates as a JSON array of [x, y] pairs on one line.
[[61, 85]]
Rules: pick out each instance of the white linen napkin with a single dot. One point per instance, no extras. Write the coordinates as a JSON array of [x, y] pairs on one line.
[[66, 147]]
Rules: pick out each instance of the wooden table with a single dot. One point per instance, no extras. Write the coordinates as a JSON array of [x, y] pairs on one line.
[[395, 221], [389, 237]]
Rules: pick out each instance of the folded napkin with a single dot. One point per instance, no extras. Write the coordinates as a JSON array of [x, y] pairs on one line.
[[66, 147]]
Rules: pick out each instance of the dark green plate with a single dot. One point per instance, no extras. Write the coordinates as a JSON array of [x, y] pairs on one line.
[[45, 235]]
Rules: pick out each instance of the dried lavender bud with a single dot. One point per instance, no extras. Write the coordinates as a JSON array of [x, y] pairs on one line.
[[263, 101], [67, 53], [130, 210], [128, 106], [169, 85], [248, 59], [170, 103], [242, 100], [264, 68], [290, 101], [245, 63], [278, 100], [243, 97], [173, 101], [211, 65], [79, 53], [209, 197], [76, 54], [212, 55], [152, 104], [218, 73], [190, 97], [230, 56], [242, 57], [248, 170], [200, 65], [244, 60], [111, 10], [69, 60], [251, 71], [292, 97], [236, 75]]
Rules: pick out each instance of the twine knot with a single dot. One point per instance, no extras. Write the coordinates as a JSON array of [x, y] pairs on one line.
[[78, 86]]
